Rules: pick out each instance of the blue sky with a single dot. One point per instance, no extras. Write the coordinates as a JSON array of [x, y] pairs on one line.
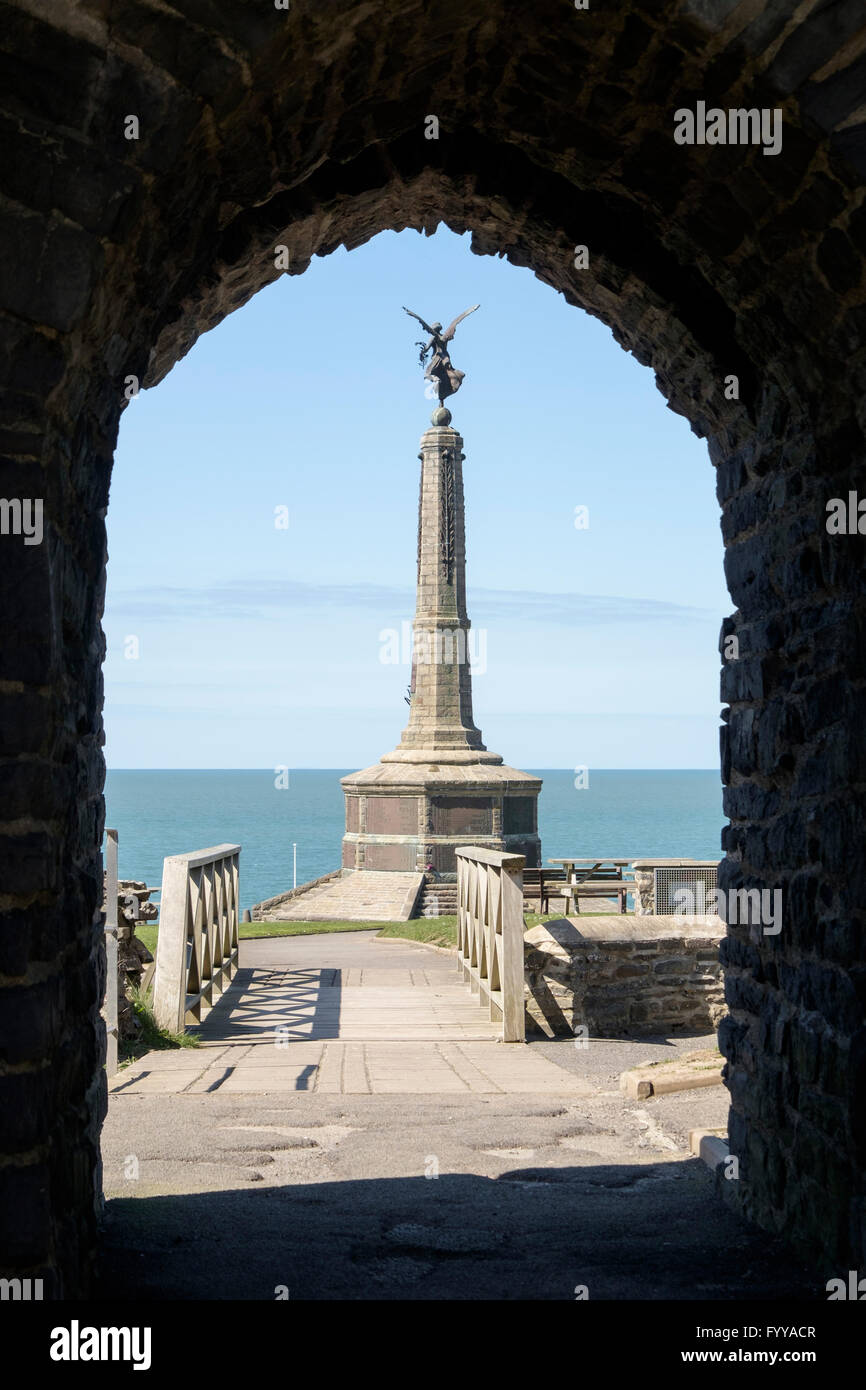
[[263, 647]]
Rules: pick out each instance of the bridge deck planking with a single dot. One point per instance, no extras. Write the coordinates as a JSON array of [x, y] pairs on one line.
[[344, 1015]]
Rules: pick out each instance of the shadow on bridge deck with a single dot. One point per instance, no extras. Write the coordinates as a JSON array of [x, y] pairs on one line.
[[301, 1004]]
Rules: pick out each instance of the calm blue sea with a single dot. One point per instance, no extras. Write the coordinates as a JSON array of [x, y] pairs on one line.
[[621, 814]]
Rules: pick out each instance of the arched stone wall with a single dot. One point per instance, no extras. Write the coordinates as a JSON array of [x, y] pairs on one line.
[[306, 128]]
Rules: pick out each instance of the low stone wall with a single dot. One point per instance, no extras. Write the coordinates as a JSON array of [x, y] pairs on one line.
[[132, 955], [269, 909], [132, 959], [621, 976]]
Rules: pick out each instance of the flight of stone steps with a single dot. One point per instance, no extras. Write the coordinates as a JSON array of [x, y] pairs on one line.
[[437, 900], [366, 896]]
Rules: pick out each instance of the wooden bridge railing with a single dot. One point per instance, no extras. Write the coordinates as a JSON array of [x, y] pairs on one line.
[[490, 933], [197, 947]]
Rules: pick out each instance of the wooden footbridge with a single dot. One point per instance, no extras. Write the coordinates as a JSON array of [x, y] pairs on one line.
[[341, 1012]]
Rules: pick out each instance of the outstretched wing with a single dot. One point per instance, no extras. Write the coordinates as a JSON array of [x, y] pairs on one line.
[[452, 327], [424, 325]]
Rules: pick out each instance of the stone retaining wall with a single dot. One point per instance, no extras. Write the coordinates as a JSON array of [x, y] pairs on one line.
[[269, 909], [132, 955], [615, 977]]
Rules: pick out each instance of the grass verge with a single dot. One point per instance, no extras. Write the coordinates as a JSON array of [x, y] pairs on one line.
[[441, 931], [437, 931], [250, 931], [152, 1037]]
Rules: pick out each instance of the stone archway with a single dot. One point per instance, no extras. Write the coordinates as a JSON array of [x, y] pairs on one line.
[[259, 127]]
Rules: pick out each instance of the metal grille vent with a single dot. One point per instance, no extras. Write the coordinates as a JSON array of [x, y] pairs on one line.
[[697, 882]]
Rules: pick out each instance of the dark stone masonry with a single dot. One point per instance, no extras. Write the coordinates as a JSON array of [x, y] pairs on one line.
[[305, 128]]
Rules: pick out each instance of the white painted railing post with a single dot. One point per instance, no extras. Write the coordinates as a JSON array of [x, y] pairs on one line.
[[197, 943], [490, 933], [109, 1007]]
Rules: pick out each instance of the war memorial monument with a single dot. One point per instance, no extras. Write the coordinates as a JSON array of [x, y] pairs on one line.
[[440, 787]]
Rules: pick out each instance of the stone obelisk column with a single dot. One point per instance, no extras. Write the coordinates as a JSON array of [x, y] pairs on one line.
[[440, 787], [440, 712]]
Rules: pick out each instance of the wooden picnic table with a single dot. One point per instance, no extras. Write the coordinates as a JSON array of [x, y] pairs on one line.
[[593, 865], [581, 880]]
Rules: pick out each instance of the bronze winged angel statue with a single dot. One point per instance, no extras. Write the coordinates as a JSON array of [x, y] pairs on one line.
[[440, 367]]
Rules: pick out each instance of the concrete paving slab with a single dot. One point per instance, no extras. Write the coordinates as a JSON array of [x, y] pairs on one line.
[[366, 1067], [268, 1079], [167, 1082]]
